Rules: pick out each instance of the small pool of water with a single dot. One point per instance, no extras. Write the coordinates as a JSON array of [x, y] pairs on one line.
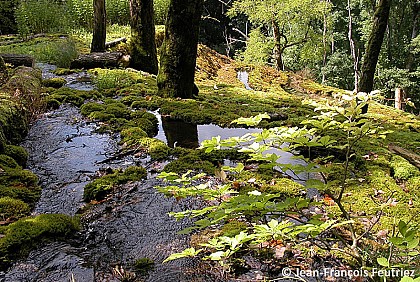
[[177, 133]]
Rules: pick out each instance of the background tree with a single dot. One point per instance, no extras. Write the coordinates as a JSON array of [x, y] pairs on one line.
[[290, 22], [179, 49], [99, 26], [142, 42], [370, 59]]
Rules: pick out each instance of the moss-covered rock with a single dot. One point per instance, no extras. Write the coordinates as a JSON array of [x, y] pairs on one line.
[[30, 195], [99, 188], [10, 207], [402, 169], [143, 265], [130, 135], [88, 108], [20, 237], [7, 161], [190, 162], [18, 153], [55, 82], [283, 186], [18, 176], [118, 110]]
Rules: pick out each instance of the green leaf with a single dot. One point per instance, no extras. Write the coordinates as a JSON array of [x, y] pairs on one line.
[[397, 241], [413, 243], [190, 252], [406, 279], [402, 227], [383, 261]]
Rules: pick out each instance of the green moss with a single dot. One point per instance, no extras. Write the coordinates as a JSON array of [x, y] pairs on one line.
[[10, 207], [132, 134], [190, 162], [284, 186], [18, 153], [233, 228], [143, 265], [20, 237], [29, 195], [63, 71], [52, 103], [88, 108], [149, 127], [118, 110], [156, 148], [72, 96], [402, 169], [17, 176], [55, 82], [7, 161], [101, 116], [413, 184], [99, 188]]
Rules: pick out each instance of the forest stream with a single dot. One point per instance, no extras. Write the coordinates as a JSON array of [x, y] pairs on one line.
[[64, 152]]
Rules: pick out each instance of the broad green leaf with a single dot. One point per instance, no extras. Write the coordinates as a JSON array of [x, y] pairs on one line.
[[190, 252], [383, 261]]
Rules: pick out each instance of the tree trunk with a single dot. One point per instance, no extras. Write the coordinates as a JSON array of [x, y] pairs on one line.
[[353, 49], [373, 48], [98, 60], [179, 49], [278, 49], [142, 43], [19, 60], [99, 26]]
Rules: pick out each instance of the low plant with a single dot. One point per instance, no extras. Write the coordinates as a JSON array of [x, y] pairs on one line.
[[276, 221]]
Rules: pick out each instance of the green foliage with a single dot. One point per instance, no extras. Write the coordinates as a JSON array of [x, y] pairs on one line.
[[18, 153], [161, 8], [22, 236], [41, 16], [101, 187], [259, 49], [115, 79]]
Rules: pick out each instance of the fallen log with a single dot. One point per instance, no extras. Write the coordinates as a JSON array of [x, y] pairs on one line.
[[18, 60], [413, 158], [98, 60], [115, 42]]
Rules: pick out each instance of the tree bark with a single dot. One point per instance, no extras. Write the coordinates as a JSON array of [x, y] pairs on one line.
[[373, 48], [142, 44], [179, 49], [99, 26], [278, 49], [353, 49], [98, 60], [19, 60], [115, 42]]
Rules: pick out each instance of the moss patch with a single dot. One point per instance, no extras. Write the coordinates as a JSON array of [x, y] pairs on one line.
[[55, 82], [99, 188], [10, 207], [402, 169], [18, 153], [22, 236]]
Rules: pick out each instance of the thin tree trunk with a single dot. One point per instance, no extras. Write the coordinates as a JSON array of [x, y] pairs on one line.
[[353, 49], [99, 26], [373, 48], [414, 32], [278, 49], [142, 44], [179, 49]]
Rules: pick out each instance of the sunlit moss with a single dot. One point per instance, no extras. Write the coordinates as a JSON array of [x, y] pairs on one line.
[[101, 187], [20, 237]]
